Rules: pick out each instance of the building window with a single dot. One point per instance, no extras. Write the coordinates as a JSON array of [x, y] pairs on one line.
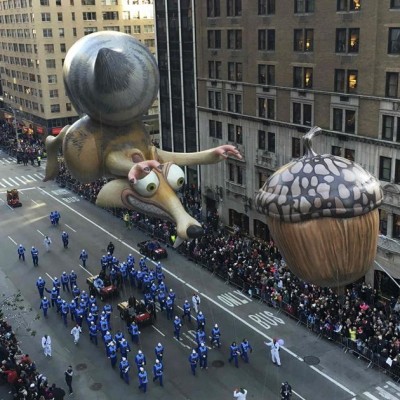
[[127, 29], [337, 151], [262, 145], [235, 71], [49, 48], [234, 39], [234, 103], [50, 63], [214, 99], [266, 7], [350, 154], [63, 48], [47, 33], [136, 29], [347, 40], [214, 39], [395, 4], [110, 15], [302, 77], [344, 120], [302, 113], [266, 107], [348, 5], [385, 168], [303, 6], [215, 129], [346, 81], [231, 172], [68, 106], [266, 74], [53, 93], [55, 108], [271, 142], [392, 84], [213, 8], [239, 175], [295, 147], [89, 16], [61, 32], [234, 8], [266, 39], [88, 30], [303, 40], [51, 79], [235, 134], [394, 41], [397, 180], [214, 69], [46, 17], [390, 128]]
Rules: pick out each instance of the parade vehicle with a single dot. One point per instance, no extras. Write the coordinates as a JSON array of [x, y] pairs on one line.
[[152, 249], [105, 292], [134, 310], [13, 198]]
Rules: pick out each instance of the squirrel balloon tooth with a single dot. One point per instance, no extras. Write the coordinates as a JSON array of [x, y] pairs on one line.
[[322, 211]]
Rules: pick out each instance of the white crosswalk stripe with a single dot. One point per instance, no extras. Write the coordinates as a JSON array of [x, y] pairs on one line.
[[387, 391], [18, 181]]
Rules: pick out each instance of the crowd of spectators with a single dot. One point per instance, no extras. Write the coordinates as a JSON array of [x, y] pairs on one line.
[[19, 371]]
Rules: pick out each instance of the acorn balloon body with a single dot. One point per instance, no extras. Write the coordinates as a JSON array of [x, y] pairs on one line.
[[322, 212]]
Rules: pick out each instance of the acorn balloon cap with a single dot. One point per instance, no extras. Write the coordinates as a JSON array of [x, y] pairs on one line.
[[316, 186]]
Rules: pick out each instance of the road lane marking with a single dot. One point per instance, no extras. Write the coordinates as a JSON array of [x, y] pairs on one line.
[[385, 394], [158, 331], [73, 230], [300, 397], [192, 287], [30, 176], [8, 183], [12, 240], [370, 396], [4, 186], [33, 201], [20, 180], [202, 294], [40, 232], [397, 388], [14, 182], [52, 279], [86, 270]]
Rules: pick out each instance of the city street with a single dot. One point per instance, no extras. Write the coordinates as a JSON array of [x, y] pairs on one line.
[[336, 374]]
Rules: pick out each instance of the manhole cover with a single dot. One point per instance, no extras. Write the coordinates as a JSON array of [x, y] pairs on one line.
[[218, 363], [81, 367], [96, 386], [311, 360]]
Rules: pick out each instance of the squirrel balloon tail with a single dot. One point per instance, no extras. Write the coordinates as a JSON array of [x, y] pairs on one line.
[[53, 144]]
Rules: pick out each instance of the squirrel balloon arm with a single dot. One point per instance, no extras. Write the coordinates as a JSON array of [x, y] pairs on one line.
[[210, 156]]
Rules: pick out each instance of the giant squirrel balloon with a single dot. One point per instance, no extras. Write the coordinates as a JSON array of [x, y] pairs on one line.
[[112, 80], [322, 213]]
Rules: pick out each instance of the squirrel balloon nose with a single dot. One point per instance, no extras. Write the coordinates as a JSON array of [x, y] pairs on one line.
[[194, 231]]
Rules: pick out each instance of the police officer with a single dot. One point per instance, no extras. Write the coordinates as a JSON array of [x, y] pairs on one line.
[[107, 308], [59, 304], [172, 295], [158, 371], [52, 219], [186, 311], [90, 319], [162, 287], [92, 300], [112, 353], [118, 337], [245, 349], [94, 310], [79, 315], [216, 336], [286, 391], [161, 300], [57, 217], [44, 305], [76, 293], [201, 321], [132, 275], [234, 352], [203, 355], [124, 347], [177, 327], [200, 337], [65, 281], [104, 328], [53, 295], [35, 256], [83, 257], [40, 284], [107, 337], [65, 239], [103, 262], [93, 333], [130, 260], [160, 276], [72, 279], [72, 309], [21, 252], [123, 270], [140, 359], [193, 360], [124, 369], [159, 351], [169, 306], [134, 332], [57, 284], [143, 380]]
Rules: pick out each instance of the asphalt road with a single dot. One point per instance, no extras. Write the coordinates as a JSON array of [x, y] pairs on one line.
[[335, 376]]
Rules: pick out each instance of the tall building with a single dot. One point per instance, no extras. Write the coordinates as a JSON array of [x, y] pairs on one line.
[[175, 30], [35, 36], [269, 69]]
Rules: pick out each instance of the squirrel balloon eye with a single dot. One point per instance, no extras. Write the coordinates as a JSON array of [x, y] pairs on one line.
[[175, 177], [148, 185]]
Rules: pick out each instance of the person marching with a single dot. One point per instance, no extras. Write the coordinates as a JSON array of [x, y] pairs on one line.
[[46, 345], [246, 348], [186, 311], [47, 243], [286, 391], [72, 279], [40, 284], [44, 305], [75, 332], [159, 352], [140, 360], [65, 239], [65, 281], [21, 252], [169, 306], [196, 302], [216, 336], [93, 333], [124, 370], [83, 257], [158, 371], [110, 248], [64, 312], [201, 320], [234, 352], [112, 353], [203, 356], [68, 379], [177, 327], [275, 351], [193, 360], [143, 380], [57, 217], [35, 256], [134, 332]]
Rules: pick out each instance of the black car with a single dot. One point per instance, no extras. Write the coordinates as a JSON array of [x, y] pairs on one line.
[[152, 249]]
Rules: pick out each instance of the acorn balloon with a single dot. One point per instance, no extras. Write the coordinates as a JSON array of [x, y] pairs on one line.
[[322, 212]]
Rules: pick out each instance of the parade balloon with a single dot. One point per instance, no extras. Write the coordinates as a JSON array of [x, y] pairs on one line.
[[322, 213], [112, 80]]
